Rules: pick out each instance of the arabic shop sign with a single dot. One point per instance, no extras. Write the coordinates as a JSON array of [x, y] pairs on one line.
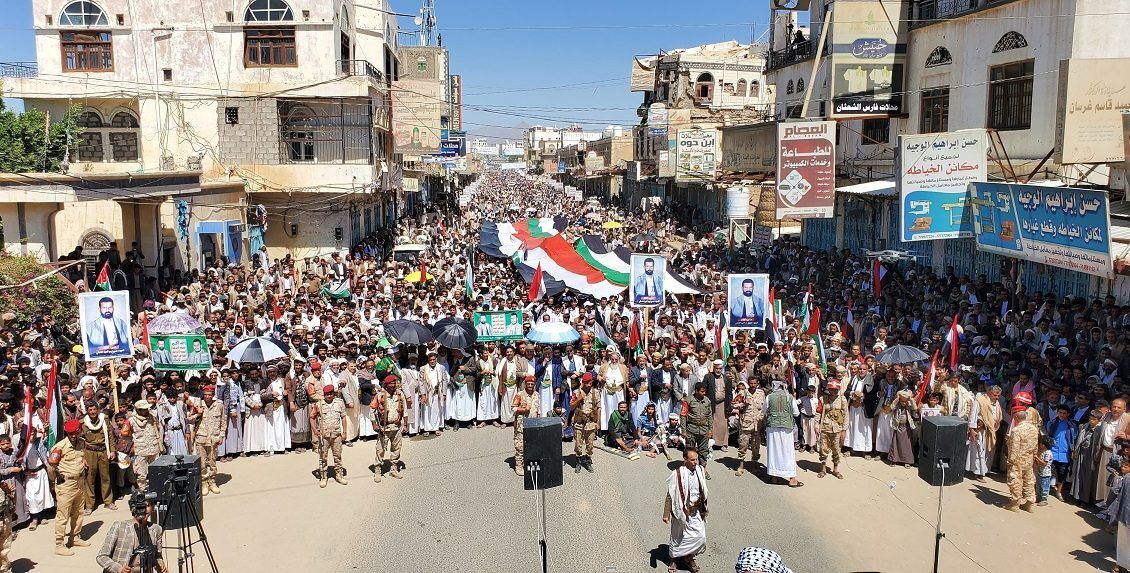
[[934, 171], [1092, 96], [806, 173], [868, 53], [1058, 226]]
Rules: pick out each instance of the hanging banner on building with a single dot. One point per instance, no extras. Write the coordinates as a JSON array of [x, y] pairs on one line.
[[643, 74], [746, 297], [498, 325], [697, 155], [646, 277], [180, 352], [1058, 226], [806, 174], [749, 148], [934, 172], [104, 317], [657, 119], [868, 53], [1093, 94], [411, 184]]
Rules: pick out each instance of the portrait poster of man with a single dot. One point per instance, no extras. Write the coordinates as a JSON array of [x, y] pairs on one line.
[[646, 280], [180, 352], [104, 317], [746, 298]]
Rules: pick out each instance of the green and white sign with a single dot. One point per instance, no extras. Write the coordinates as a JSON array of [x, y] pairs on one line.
[[180, 352], [498, 325]]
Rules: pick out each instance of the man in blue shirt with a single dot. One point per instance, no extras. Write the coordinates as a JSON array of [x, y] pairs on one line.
[[1062, 431]]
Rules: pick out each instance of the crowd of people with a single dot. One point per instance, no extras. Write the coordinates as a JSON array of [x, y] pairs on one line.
[[1038, 377]]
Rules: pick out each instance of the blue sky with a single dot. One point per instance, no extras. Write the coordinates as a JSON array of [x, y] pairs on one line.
[[506, 48]]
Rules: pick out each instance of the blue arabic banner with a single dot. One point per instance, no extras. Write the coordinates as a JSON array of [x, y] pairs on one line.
[[1058, 226]]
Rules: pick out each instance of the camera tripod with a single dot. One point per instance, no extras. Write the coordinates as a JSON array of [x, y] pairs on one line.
[[176, 492]]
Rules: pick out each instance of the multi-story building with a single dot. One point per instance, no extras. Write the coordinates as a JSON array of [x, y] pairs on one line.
[[547, 140], [275, 107], [974, 64], [703, 88], [422, 114]]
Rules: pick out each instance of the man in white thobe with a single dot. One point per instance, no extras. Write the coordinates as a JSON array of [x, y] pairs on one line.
[[685, 510], [984, 420]]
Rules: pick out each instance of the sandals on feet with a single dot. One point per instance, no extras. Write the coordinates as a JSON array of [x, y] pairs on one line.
[[821, 474], [838, 475]]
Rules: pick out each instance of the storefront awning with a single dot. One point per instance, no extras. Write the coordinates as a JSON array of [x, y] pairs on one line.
[[871, 189]]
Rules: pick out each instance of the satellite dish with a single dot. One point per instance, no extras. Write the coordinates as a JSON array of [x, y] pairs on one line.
[[418, 20]]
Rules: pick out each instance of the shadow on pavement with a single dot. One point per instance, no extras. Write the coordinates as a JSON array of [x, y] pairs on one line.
[[22, 565], [988, 496], [89, 529], [661, 554]]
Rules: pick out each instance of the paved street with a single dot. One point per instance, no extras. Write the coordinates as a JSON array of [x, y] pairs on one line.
[[460, 508]]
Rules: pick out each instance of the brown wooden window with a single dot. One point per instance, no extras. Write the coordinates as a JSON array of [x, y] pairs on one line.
[[269, 47], [1010, 96], [935, 110], [87, 51], [876, 131]]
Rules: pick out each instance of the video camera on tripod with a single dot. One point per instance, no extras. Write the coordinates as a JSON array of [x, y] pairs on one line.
[[144, 557]]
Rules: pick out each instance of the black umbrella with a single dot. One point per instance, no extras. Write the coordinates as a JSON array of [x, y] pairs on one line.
[[408, 332], [258, 350], [901, 354], [455, 333], [644, 237]]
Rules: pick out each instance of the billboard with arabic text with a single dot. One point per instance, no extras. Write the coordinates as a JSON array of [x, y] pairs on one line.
[[806, 169], [868, 54], [1058, 226], [934, 171]]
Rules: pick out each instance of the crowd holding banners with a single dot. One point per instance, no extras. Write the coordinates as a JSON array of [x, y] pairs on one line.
[[813, 378]]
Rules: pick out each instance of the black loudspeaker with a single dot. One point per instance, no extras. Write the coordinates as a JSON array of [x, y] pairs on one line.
[[542, 437], [944, 438], [167, 475]]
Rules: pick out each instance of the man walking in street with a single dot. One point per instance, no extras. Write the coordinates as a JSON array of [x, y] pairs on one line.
[[685, 510], [207, 437], [1022, 441], [388, 407], [750, 408], [327, 419], [585, 405], [68, 468], [525, 405], [697, 425], [830, 417]]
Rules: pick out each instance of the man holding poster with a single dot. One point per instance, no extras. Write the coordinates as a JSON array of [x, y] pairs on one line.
[[105, 320], [647, 280], [747, 295]]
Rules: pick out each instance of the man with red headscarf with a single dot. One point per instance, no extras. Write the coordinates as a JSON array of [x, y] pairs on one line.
[[68, 467]]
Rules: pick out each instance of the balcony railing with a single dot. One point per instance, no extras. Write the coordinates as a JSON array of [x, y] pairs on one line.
[[360, 68], [925, 12], [792, 54], [19, 69]]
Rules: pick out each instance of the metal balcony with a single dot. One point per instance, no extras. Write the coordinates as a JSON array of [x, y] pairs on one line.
[[926, 12], [19, 69], [793, 53], [361, 68]]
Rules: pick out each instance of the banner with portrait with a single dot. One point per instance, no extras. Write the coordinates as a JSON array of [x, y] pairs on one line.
[[498, 325], [646, 280], [105, 321], [747, 297], [180, 351]]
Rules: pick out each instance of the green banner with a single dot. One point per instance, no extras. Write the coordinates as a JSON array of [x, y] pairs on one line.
[[498, 325], [180, 352]]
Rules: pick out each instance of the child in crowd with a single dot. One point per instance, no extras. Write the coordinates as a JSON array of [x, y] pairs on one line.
[[670, 435], [807, 405], [1110, 514], [933, 406], [1043, 469]]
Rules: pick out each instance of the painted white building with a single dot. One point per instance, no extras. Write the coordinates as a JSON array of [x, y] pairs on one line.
[[279, 103]]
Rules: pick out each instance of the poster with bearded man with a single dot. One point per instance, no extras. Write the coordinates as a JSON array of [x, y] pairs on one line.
[[746, 297], [104, 317], [646, 278]]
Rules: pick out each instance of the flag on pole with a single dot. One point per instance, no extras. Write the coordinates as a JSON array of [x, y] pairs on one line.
[[850, 320], [635, 336], [818, 342], [813, 326], [144, 338], [54, 406], [953, 338], [600, 330], [339, 289], [804, 304], [878, 271], [103, 280], [442, 229], [774, 317], [722, 339], [537, 286], [423, 271], [276, 310], [928, 380]]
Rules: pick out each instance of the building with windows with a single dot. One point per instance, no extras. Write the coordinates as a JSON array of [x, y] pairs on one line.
[[976, 64], [542, 140], [193, 118]]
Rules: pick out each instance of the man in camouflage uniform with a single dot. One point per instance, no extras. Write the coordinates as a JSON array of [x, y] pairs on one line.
[[388, 405], [698, 424], [830, 418], [750, 408], [327, 418], [209, 434], [526, 404], [67, 467], [585, 404], [146, 441], [1022, 440]]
